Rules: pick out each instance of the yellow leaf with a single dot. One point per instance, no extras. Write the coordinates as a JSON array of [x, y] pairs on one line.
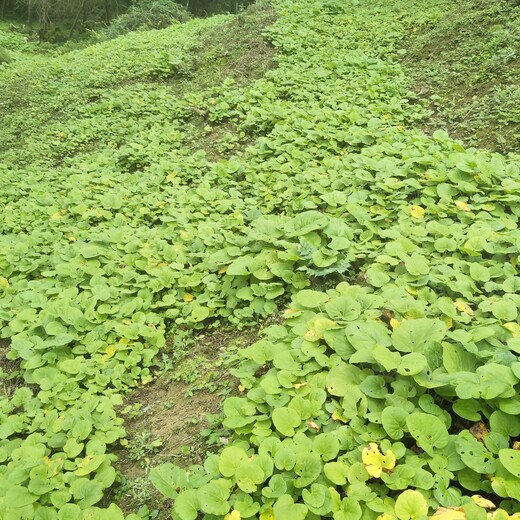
[[234, 515], [483, 502], [268, 514], [110, 351], [336, 416], [187, 297], [512, 327], [72, 240], [4, 282], [446, 513], [463, 206], [464, 307], [241, 388], [375, 462], [394, 323], [56, 216], [223, 270], [299, 385], [417, 212]]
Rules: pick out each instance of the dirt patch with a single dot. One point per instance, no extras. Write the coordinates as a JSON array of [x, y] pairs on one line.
[[166, 419], [10, 378]]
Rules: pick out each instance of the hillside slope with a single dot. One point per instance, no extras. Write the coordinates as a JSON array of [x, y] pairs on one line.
[[139, 199]]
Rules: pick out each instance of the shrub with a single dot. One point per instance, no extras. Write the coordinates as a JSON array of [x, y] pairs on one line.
[[147, 14]]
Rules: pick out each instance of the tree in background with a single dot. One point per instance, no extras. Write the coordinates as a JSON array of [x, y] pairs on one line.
[[56, 20]]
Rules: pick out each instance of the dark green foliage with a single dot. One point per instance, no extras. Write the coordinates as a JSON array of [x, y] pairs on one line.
[[147, 14]]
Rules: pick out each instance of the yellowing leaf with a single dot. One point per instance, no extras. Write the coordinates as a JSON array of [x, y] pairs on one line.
[[56, 216], [268, 514], [234, 515], [317, 328], [110, 351], [394, 323], [72, 240], [223, 270], [241, 388], [337, 416], [187, 297], [4, 282], [375, 462], [464, 307], [512, 327], [483, 502], [299, 385], [447, 513], [417, 212], [463, 206]]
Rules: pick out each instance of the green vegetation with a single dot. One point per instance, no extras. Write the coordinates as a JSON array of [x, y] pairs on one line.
[[148, 190], [467, 68]]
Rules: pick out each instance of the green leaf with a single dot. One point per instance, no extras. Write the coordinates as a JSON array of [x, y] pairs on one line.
[[428, 430], [286, 508], [18, 496], [213, 497], [411, 364], [336, 472], [479, 273], [510, 459], [504, 310], [341, 377], [248, 476], [411, 505], [187, 505], [168, 479], [230, 459], [308, 468], [417, 265], [386, 358], [89, 464], [394, 421], [86, 492], [474, 454], [285, 459], [285, 420], [418, 335], [310, 299]]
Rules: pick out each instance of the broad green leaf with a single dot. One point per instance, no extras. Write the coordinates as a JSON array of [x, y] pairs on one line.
[[168, 479], [213, 497], [286, 420], [411, 505], [428, 430], [510, 459], [417, 335]]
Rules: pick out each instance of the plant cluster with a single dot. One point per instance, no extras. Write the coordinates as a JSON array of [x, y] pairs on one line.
[[391, 395]]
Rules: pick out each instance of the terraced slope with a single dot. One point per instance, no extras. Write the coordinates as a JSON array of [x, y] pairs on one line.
[[389, 391]]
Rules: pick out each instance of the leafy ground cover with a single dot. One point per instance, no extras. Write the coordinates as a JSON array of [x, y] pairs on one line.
[[389, 391], [467, 67]]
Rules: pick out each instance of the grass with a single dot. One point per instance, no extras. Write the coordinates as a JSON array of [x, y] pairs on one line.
[[466, 67]]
